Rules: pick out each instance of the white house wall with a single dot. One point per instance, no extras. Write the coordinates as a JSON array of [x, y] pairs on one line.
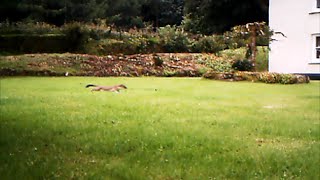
[[293, 53]]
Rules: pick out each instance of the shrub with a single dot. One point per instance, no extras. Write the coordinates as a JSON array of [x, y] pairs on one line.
[[242, 65], [29, 43], [262, 59], [209, 44], [203, 70], [174, 39], [232, 54], [220, 66], [287, 79], [169, 73], [234, 40], [246, 76], [77, 36], [278, 78], [35, 28], [258, 77], [157, 60], [218, 75], [269, 77]]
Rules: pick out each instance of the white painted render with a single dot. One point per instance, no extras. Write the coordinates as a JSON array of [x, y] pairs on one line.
[[298, 20]]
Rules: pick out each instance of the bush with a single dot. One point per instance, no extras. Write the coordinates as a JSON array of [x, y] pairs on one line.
[[26, 43], [220, 66], [234, 40], [174, 39], [209, 44], [242, 65], [262, 59], [169, 73], [265, 77], [157, 60], [246, 76], [77, 36], [278, 78], [35, 28], [269, 77], [218, 75]]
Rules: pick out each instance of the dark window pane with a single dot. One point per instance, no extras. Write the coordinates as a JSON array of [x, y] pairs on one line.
[[318, 53], [318, 3], [318, 41]]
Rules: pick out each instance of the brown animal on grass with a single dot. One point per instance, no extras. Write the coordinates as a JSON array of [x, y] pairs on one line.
[[115, 88]]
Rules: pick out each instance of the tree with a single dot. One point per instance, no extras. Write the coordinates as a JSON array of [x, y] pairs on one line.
[[218, 16], [253, 30], [50, 11], [163, 12], [85, 10], [53, 11], [8, 9], [125, 13]]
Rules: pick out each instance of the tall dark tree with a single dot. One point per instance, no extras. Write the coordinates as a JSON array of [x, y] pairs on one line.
[[85, 10], [217, 16], [8, 10], [151, 12], [127, 13], [163, 12], [53, 11], [37, 10], [199, 16]]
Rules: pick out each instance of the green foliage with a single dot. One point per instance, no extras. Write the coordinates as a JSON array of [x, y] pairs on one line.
[[29, 43], [27, 27], [103, 38], [157, 60], [220, 66], [174, 39], [191, 24], [262, 58], [236, 54], [239, 36], [287, 79], [242, 65], [162, 13], [209, 44], [265, 77], [209, 17], [77, 36], [198, 16], [235, 40], [169, 73], [278, 78]]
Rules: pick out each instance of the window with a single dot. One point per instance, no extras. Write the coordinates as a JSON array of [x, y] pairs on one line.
[[315, 7], [316, 48]]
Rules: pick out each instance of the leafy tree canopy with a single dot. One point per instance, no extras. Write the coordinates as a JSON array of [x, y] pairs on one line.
[[198, 16]]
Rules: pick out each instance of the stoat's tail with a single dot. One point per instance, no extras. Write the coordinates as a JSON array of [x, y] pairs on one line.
[[121, 85], [89, 85]]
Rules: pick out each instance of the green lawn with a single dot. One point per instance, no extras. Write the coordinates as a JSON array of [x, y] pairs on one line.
[[160, 128]]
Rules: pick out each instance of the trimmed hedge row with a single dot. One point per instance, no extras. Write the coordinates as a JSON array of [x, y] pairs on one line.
[[24, 43]]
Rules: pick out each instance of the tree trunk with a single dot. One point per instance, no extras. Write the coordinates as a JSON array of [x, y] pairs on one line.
[[253, 46]]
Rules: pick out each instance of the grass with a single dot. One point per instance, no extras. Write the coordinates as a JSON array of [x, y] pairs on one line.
[[160, 128]]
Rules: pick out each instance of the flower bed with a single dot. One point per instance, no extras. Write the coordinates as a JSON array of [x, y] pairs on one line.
[[265, 77]]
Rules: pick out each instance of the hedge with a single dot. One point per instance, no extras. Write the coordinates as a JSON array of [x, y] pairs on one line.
[[24, 43]]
